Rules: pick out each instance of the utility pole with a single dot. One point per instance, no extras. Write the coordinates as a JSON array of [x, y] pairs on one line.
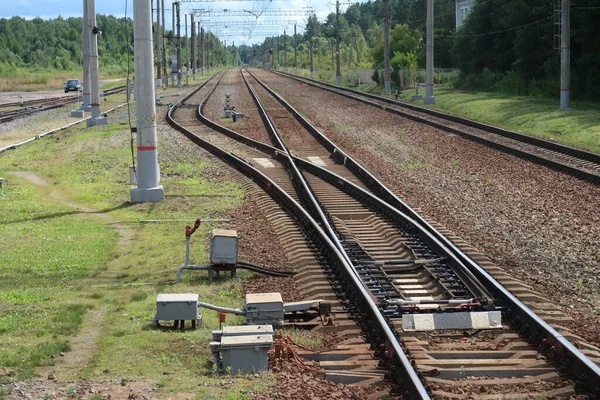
[[332, 55], [164, 44], [93, 31], [187, 58], [87, 84], [565, 55], [201, 49], [158, 40], [285, 51], [278, 55], [179, 67], [338, 73], [193, 46], [147, 172], [233, 54], [312, 65], [295, 50], [429, 99], [386, 44]]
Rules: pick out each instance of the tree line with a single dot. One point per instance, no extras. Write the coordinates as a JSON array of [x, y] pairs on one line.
[[503, 45], [508, 46]]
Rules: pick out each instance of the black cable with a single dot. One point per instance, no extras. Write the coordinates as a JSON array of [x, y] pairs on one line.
[[127, 83], [263, 270]]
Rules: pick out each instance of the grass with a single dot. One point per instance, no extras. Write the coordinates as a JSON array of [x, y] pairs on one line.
[[33, 79], [539, 117], [59, 261], [579, 127]]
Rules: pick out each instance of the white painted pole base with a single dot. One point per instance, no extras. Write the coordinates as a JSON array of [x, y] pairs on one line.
[[429, 98], [86, 106], [388, 87], [147, 195], [564, 100], [338, 80]]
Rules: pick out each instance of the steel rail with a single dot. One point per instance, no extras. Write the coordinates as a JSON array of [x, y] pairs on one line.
[[50, 132], [587, 373], [48, 104], [459, 268], [558, 148], [401, 367]]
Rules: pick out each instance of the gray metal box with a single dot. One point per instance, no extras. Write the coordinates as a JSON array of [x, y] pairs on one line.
[[176, 307], [246, 353], [223, 247], [264, 308]]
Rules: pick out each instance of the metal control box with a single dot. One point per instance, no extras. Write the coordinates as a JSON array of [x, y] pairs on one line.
[[247, 353], [223, 247], [264, 308], [177, 307]]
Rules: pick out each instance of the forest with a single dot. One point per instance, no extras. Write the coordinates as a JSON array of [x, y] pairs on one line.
[[502, 46]]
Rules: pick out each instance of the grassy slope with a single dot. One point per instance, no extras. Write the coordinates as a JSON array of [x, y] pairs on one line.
[[579, 127], [59, 262]]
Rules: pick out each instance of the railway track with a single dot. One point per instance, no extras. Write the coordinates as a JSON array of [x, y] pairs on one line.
[[384, 261], [576, 162], [34, 106]]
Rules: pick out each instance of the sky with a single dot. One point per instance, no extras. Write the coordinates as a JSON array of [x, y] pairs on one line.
[[48, 9]]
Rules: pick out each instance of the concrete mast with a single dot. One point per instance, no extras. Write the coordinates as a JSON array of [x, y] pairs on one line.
[[179, 66], [295, 50], [565, 56], [187, 55], [148, 172], [386, 46], [202, 61], [285, 50], [158, 41], [164, 45], [87, 85], [338, 73], [429, 99], [93, 33], [193, 44]]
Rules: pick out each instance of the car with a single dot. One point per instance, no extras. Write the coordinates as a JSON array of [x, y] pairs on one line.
[[72, 85]]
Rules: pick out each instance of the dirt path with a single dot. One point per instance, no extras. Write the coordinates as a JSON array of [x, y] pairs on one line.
[[54, 381]]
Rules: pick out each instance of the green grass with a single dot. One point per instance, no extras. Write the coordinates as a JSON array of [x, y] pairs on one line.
[[59, 261], [539, 117]]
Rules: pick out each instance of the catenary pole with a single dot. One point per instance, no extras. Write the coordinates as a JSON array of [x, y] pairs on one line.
[[193, 45], [158, 40], [93, 32], [179, 65], [147, 172], [386, 46], [429, 99], [565, 50], [295, 50], [338, 73], [87, 84], [164, 45]]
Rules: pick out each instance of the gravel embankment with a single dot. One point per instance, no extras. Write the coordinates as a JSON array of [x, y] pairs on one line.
[[540, 225]]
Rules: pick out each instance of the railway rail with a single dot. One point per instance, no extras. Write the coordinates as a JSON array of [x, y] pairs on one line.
[[383, 260], [576, 162], [34, 106]]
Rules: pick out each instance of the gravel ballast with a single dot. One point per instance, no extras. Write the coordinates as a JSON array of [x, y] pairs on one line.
[[540, 225]]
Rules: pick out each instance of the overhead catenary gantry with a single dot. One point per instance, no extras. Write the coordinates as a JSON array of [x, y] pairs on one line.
[[226, 24], [245, 13]]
